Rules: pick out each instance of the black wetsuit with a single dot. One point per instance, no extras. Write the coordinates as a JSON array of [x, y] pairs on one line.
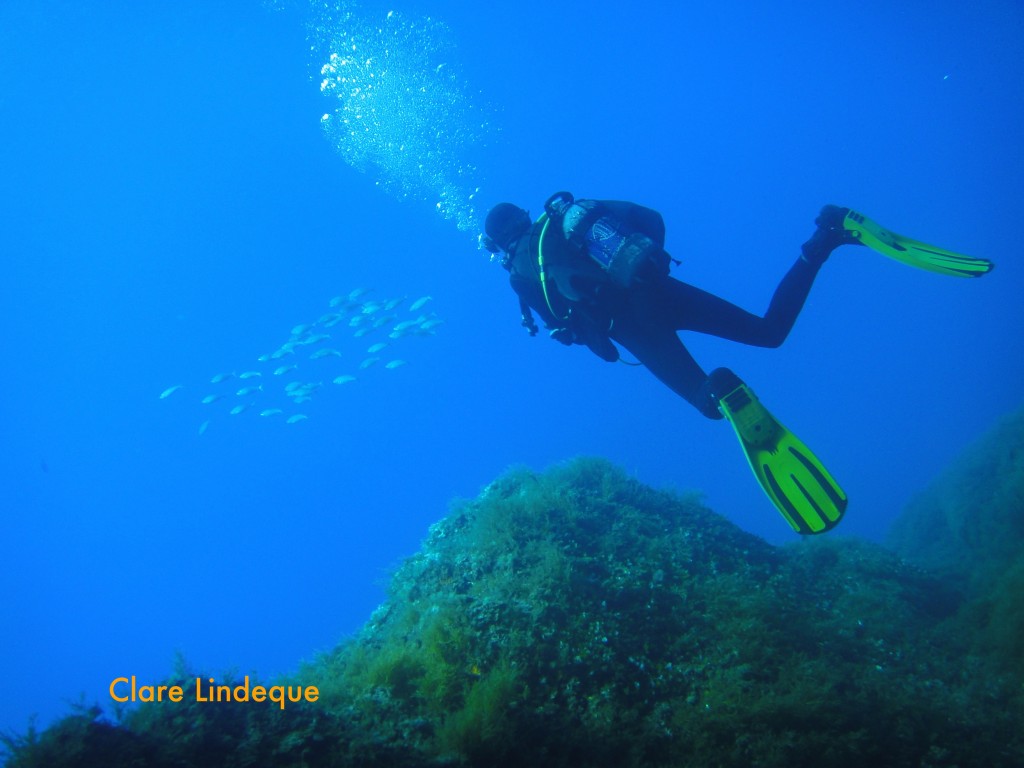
[[586, 308]]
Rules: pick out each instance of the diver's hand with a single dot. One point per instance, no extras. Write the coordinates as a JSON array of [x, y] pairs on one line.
[[564, 335]]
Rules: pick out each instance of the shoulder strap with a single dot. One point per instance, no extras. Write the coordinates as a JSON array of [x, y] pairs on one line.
[[541, 268]]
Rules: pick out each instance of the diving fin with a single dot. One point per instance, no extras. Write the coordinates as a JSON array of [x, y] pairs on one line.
[[912, 252], [796, 482]]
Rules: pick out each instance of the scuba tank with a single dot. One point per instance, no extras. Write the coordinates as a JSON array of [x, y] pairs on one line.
[[621, 251]]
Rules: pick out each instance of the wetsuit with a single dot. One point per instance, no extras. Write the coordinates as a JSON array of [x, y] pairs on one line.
[[586, 308]]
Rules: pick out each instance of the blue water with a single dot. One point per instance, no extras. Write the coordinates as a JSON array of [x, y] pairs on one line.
[[172, 205]]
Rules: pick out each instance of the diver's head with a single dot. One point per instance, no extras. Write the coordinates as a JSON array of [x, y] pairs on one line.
[[505, 224]]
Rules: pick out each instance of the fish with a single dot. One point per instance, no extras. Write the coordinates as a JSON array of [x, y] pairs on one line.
[[284, 369], [357, 320], [170, 391], [211, 399], [249, 375], [238, 409], [298, 330], [297, 418], [368, 362], [248, 390], [419, 303], [357, 292], [392, 303], [344, 379], [324, 353], [303, 389], [370, 307], [407, 324], [221, 377], [203, 426], [314, 338], [362, 332], [374, 349], [271, 412], [430, 324], [394, 364]]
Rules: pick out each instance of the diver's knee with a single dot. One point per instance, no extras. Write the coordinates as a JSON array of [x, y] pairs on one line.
[[770, 337]]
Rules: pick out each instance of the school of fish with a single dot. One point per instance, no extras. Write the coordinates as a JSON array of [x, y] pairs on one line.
[[300, 366]]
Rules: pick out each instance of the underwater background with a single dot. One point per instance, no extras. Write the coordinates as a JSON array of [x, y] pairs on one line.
[[173, 202]]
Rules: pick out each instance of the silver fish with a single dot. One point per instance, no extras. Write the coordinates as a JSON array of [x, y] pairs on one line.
[[324, 353], [368, 362], [248, 390], [344, 379], [419, 303], [221, 377], [284, 369], [170, 391], [249, 375], [374, 349], [395, 364], [271, 412], [238, 409], [303, 389], [211, 399], [297, 418]]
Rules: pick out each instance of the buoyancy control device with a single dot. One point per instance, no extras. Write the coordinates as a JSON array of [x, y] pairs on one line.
[[625, 253]]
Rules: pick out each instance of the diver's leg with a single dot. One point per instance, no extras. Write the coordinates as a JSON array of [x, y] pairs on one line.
[[663, 354], [691, 309]]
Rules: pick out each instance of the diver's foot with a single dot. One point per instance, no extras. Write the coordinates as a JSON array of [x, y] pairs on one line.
[[829, 235]]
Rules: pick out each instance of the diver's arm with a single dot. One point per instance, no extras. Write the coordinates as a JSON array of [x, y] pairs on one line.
[[531, 298]]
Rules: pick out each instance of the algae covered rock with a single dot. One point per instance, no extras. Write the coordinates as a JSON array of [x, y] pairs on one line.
[[969, 526], [969, 523], [576, 617], [579, 618]]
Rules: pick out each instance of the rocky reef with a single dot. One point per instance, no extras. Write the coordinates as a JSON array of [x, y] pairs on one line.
[[968, 527], [577, 617]]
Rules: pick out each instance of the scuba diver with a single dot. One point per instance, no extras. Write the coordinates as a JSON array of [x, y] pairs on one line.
[[597, 274]]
